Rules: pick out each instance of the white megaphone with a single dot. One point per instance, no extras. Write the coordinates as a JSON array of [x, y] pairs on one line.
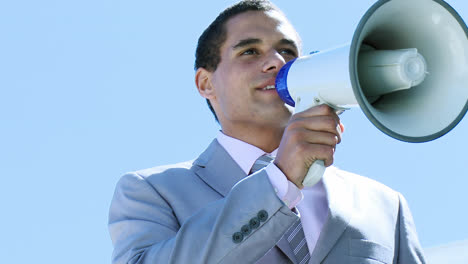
[[406, 67]]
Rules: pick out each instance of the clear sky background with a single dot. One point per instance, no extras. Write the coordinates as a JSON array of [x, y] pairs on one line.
[[92, 89]]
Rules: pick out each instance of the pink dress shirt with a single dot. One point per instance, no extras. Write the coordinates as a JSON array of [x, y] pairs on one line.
[[311, 202]]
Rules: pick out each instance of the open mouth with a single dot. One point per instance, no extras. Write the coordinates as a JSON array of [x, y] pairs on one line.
[[268, 87]]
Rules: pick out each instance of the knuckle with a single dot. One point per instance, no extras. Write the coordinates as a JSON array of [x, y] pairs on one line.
[[337, 140], [332, 140], [293, 125], [330, 122], [325, 109], [298, 116], [295, 136], [297, 123]]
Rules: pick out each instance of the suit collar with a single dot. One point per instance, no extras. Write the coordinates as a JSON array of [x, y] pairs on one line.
[[243, 153], [340, 196], [217, 169]]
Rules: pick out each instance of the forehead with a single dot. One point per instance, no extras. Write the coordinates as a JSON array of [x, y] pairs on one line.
[[266, 25]]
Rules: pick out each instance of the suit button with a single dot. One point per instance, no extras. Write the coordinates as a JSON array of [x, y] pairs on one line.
[[237, 237], [254, 222], [245, 229], [262, 215]]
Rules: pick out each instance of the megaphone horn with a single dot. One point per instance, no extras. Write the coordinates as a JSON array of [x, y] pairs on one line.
[[406, 67]]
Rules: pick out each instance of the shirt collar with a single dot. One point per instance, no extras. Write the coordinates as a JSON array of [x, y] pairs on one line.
[[244, 154]]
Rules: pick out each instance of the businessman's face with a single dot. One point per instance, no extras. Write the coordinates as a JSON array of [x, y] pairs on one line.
[[258, 44]]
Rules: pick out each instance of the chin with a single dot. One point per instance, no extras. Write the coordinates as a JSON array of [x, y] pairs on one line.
[[279, 119]]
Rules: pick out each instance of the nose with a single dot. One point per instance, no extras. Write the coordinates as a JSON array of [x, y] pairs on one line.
[[273, 62]]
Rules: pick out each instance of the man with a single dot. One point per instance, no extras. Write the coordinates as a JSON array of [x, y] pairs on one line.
[[212, 211]]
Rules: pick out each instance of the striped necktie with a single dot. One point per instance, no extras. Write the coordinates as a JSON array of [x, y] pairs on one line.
[[261, 163], [296, 239], [295, 234]]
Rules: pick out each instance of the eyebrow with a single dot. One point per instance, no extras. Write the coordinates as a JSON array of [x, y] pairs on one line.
[[249, 41], [246, 42], [289, 42]]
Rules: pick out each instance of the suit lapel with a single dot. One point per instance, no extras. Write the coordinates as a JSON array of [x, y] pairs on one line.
[[217, 169], [341, 206]]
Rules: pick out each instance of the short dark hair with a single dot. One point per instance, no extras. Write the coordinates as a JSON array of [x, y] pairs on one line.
[[207, 55]]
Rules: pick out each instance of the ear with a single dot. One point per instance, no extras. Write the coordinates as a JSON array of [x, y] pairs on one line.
[[203, 83]]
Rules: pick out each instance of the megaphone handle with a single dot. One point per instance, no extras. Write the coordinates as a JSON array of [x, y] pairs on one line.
[[317, 169], [314, 174]]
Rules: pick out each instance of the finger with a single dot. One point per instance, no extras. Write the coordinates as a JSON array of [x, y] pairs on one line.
[[315, 137], [316, 123], [342, 127], [322, 109], [314, 152]]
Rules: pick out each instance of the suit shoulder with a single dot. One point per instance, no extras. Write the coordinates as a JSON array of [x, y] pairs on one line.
[[182, 167], [372, 196], [365, 184], [158, 174]]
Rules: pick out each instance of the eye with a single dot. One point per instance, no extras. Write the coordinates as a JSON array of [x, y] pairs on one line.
[[288, 52], [250, 52]]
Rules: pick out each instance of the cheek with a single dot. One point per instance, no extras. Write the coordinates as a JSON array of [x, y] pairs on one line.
[[233, 84], [230, 83]]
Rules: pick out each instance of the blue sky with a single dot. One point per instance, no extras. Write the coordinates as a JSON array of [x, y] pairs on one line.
[[92, 89]]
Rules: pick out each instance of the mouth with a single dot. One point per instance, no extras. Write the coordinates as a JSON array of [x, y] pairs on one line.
[[268, 87]]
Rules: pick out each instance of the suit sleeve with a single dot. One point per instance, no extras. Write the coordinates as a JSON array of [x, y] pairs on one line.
[[409, 248], [144, 229]]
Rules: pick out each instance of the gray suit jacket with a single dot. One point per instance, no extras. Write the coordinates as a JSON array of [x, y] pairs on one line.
[[190, 213]]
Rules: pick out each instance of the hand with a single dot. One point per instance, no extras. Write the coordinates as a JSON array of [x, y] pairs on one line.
[[310, 135]]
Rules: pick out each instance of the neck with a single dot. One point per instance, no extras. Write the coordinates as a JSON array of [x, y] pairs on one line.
[[263, 137]]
